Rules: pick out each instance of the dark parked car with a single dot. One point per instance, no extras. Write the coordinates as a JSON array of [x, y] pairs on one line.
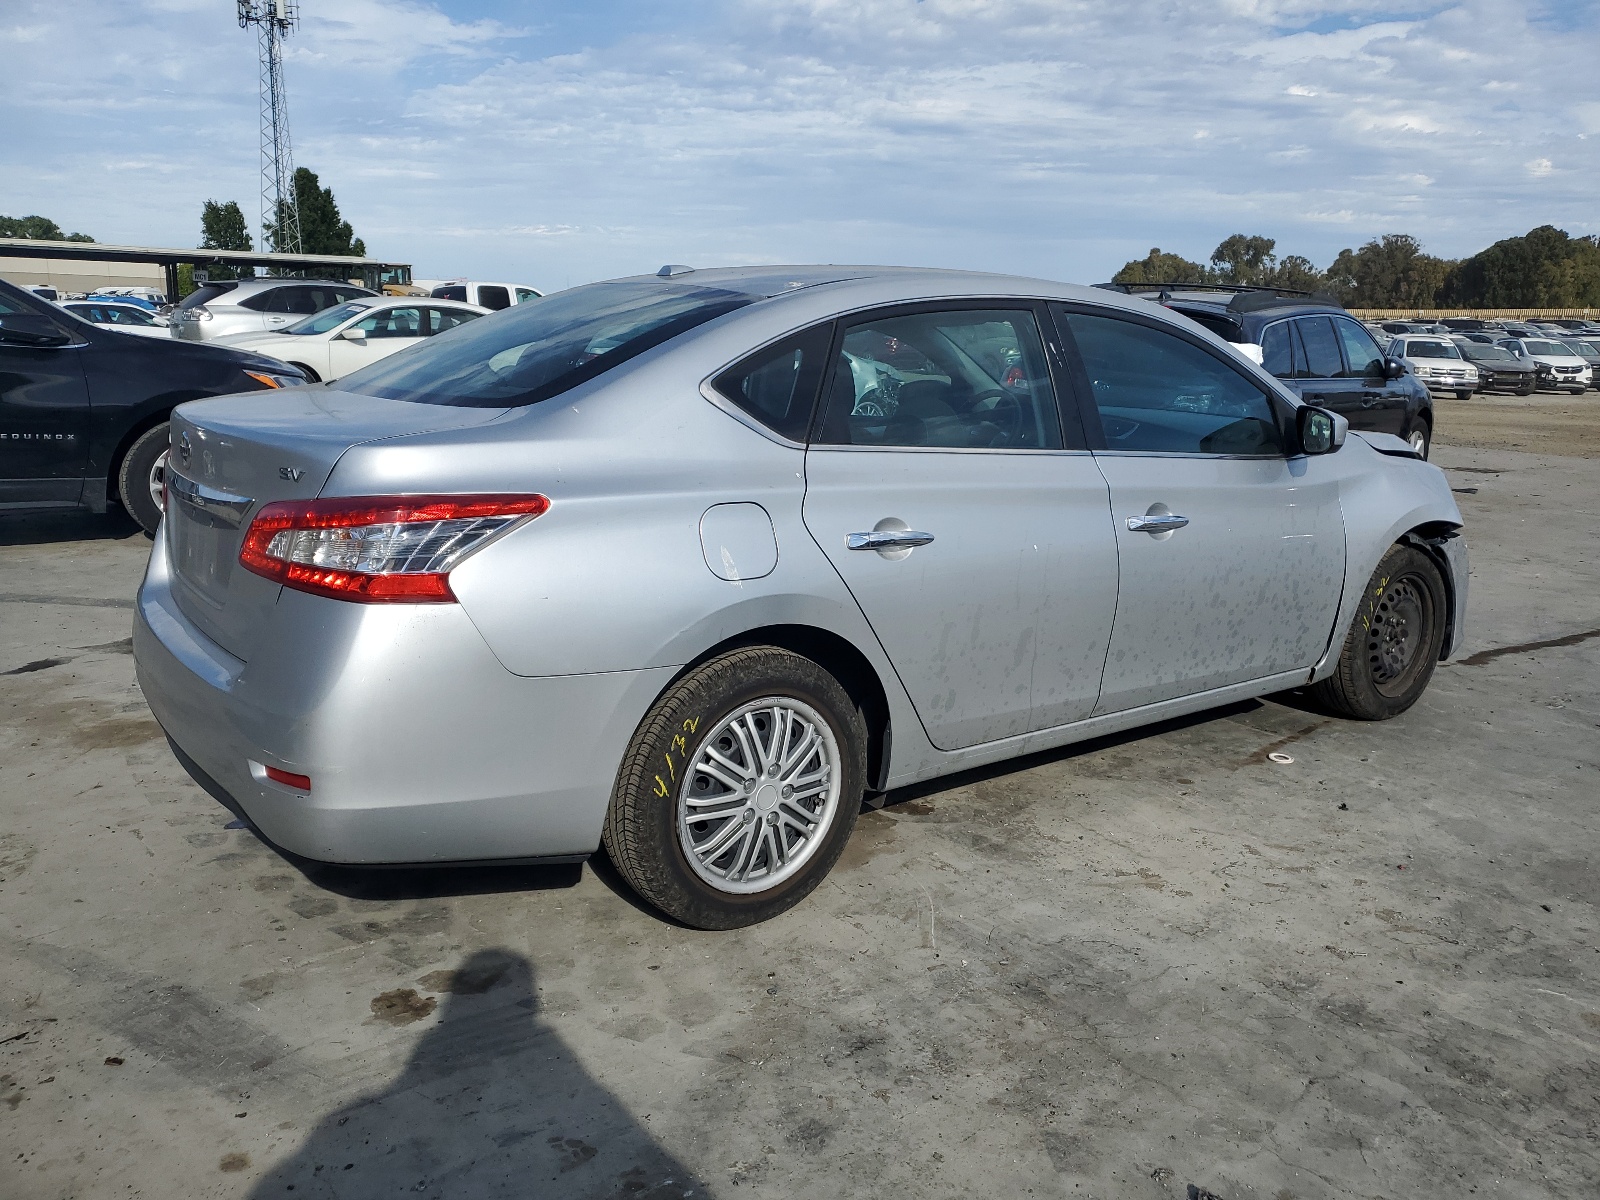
[[83, 409], [1314, 346], [1498, 368]]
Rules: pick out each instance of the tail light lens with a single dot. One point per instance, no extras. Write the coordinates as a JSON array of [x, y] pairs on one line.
[[378, 549]]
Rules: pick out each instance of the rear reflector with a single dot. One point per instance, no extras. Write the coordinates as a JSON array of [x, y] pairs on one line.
[[378, 549], [289, 779]]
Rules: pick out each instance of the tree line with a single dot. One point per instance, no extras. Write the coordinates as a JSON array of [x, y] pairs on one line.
[[1544, 268]]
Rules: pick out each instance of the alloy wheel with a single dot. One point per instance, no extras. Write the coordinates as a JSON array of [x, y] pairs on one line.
[[158, 480], [760, 796]]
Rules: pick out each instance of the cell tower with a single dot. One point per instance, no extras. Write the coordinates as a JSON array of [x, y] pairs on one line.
[[280, 214]]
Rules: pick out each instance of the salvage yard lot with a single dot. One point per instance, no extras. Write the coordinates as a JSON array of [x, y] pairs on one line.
[[1112, 971]]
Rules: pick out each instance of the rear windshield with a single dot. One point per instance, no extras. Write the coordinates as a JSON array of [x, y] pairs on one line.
[[1431, 350], [203, 295], [530, 352]]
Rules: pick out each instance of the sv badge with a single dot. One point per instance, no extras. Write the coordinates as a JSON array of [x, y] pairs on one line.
[[292, 474]]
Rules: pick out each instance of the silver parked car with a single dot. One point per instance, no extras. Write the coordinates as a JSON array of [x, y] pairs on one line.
[[226, 307], [685, 565]]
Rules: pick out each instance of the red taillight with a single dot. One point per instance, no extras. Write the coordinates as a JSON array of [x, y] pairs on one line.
[[377, 549], [289, 779]]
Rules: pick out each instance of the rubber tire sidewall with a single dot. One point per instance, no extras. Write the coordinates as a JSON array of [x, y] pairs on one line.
[[133, 476], [641, 831], [1350, 690]]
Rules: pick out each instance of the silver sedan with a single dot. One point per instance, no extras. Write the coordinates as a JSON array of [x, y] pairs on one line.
[[685, 565]]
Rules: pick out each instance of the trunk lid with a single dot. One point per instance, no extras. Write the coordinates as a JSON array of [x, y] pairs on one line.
[[234, 454]]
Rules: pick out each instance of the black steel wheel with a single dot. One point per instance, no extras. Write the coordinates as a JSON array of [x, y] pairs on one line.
[[1394, 641]]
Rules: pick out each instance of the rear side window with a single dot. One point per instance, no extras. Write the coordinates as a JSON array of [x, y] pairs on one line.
[[778, 386], [440, 319], [540, 349], [1321, 346], [492, 295]]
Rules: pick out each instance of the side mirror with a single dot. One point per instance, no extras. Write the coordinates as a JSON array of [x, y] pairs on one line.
[[1321, 431], [354, 334], [1393, 368], [30, 329]]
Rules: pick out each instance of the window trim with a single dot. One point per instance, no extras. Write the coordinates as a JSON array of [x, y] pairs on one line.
[[1283, 409]]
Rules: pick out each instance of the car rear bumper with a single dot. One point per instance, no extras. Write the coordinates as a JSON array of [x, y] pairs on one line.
[[420, 747]]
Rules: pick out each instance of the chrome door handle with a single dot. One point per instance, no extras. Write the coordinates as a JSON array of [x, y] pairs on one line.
[[887, 539], [1162, 523]]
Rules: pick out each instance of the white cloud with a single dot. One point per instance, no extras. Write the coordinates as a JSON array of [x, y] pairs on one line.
[[1047, 136]]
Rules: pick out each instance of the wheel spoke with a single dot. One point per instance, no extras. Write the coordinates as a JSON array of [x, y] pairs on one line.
[[713, 846], [796, 758], [715, 771], [742, 856], [722, 760]]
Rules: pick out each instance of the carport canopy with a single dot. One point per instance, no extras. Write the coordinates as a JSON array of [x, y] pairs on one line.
[[372, 272]]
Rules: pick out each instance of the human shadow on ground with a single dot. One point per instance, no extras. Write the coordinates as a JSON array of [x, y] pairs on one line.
[[491, 1103]]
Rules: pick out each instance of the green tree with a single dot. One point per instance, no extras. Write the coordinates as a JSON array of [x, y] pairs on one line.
[[322, 229], [1294, 273], [1244, 260], [223, 227], [1391, 271], [1544, 268], [40, 228], [1161, 267]]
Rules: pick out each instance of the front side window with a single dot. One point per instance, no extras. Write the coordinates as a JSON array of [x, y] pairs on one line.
[[1361, 353], [778, 385], [327, 320], [526, 294], [392, 323], [962, 379], [545, 347], [1159, 393]]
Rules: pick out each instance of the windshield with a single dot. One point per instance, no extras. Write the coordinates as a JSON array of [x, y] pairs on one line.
[[1431, 350], [1583, 347], [1552, 349], [530, 352], [328, 319], [1489, 354]]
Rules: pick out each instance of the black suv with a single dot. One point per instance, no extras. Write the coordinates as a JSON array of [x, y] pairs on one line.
[[1314, 346], [83, 408]]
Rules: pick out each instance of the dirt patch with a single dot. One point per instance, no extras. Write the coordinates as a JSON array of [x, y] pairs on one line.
[[1538, 424], [874, 833], [402, 1006], [234, 1162]]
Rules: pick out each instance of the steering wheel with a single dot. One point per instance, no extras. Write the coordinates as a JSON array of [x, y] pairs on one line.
[[1006, 415]]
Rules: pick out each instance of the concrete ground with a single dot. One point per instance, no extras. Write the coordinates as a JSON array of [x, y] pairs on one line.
[[1156, 961]]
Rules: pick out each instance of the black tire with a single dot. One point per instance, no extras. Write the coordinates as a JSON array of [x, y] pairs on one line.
[[1526, 391], [1466, 395], [136, 472], [1394, 641], [642, 832], [1424, 427]]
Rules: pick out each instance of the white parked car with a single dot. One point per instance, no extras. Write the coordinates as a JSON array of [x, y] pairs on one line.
[[349, 336], [225, 307], [1558, 365], [490, 295], [1437, 362], [125, 318]]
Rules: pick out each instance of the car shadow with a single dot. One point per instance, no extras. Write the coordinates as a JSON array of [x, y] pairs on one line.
[[491, 1101], [66, 525]]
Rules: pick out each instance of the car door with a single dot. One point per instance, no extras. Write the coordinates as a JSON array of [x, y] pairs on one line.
[[1231, 551], [1385, 403], [1319, 372], [975, 539], [386, 331], [44, 414]]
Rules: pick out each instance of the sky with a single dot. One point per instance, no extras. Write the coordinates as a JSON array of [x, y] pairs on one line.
[[559, 142]]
